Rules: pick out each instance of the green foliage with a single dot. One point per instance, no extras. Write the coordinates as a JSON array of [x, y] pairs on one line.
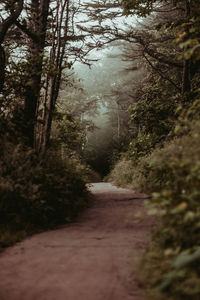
[[68, 133], [188, 37], [153, 115], [188, 114], [140, 7], [141, 146], [171, 172], [122, 173], [69, 139], [164, 162], [152, 118], [172, 175], [157, 103], [163, 158], [10, 236], [37, 193]]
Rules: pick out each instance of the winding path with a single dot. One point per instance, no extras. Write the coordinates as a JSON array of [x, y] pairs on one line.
[[92, 259]]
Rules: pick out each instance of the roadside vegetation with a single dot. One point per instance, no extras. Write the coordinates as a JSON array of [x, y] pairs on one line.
[[37, 191], [163, 158], [43, 174], [37, 194]]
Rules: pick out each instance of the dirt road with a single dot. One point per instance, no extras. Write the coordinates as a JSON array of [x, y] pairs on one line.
[[92, 259]]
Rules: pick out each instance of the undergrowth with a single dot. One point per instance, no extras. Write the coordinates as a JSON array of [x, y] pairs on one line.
[[38, 193], [171, 173], [122, 174]]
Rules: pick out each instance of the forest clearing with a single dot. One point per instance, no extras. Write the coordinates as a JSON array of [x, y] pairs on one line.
[[104, 91]]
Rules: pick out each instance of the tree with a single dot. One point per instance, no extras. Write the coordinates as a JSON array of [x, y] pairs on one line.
[[61, 33], [37, 13], [52, 40], [14, 9], [173, 15], [188, 13]]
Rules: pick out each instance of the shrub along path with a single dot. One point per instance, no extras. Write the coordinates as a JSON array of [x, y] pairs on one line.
[[91, 259]]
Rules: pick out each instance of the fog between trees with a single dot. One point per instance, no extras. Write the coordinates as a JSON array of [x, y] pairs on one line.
[[109, 82]]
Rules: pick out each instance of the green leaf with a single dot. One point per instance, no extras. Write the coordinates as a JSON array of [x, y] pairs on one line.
[[183, 260]]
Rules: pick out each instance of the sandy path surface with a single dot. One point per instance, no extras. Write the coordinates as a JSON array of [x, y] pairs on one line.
[[92, 259]]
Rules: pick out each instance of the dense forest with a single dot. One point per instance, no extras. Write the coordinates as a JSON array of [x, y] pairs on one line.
[[130, 116]]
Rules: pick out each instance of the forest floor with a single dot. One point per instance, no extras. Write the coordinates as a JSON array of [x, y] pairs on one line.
[[94, 258]]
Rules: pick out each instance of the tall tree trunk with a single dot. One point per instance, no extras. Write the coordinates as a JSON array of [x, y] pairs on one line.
[[118, 123], [58, 49], [48, 116], [2, 67], [38, 26]]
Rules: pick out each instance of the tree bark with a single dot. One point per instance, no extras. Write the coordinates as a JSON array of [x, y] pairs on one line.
[[58, 49], [2, 67], [38, 26]]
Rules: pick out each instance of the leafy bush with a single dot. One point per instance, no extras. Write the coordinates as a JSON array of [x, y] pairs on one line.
[[122, 173], [152, 118], [141, 146], [124, 170], [172, 175], [37, 193], [154, 112]]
